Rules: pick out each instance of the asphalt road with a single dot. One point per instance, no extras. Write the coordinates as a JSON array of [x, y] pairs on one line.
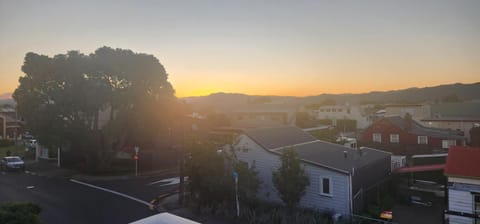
[[63, 201]]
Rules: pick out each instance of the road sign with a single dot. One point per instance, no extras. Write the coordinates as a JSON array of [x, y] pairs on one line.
[[136, 148], [135, 157]]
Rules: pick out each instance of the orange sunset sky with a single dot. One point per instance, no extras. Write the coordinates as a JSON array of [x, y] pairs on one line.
[[259, 47]]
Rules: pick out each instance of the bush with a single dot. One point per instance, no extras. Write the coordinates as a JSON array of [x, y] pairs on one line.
[[19, 213], [6, 142]]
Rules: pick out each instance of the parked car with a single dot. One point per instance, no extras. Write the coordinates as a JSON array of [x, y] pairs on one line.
[[12, 163]]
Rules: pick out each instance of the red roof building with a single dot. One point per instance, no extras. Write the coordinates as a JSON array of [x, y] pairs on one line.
[[401, 136], [463, 172], [463, 162]]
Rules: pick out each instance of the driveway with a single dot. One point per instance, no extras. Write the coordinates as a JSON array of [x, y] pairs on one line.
[[417, 214]]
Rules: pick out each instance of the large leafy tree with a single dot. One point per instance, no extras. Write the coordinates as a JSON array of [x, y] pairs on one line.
[[92, 105], [290, 179]]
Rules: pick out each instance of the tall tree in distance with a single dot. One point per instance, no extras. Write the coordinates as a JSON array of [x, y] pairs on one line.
[[290, 179], [92, 105]]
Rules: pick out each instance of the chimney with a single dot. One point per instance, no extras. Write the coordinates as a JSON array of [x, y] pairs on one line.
[[345, 154]]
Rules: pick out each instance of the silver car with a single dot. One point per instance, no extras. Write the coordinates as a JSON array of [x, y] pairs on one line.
[[12, 163]]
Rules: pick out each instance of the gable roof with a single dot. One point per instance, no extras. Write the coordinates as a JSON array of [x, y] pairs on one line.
[[463, 162], [276, 137], [418, 129], [314, 151], [333, 155]]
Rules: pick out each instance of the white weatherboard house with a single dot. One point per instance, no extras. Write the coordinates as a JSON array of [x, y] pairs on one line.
[[463, 172], [338, 175]]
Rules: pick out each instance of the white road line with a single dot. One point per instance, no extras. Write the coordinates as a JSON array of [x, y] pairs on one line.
[[111, 191], [168, 181]]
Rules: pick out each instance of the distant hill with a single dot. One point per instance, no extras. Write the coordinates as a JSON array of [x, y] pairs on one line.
[[463, 92]]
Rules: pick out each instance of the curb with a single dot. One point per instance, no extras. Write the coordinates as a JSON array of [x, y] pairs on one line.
[[125, 177]]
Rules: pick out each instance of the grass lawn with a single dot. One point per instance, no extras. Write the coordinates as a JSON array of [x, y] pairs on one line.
[[18, 150]]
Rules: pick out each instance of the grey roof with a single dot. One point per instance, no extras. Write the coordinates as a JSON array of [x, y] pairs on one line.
[[418, 129], [333, 155], [275, 137], [314, 151]]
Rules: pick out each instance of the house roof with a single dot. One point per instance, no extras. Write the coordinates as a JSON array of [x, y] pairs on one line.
[[333, 155], [314, 151], [463, 162], [418, 129], [276, 137]]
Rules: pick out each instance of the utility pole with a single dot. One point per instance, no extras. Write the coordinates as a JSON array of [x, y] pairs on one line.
[[58, 156], [235, 176]]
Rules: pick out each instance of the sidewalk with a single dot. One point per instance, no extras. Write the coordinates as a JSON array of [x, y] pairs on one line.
[[146, 174], [48, 169]]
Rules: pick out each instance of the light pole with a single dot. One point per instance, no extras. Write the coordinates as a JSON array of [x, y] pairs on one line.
[[136, 148], [235, 177]]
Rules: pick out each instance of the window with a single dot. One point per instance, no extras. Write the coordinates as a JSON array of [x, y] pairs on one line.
[[334, 110], [422, 140], [377, 137], [340, 110], [394, 138], [325, 186], [447, 143]]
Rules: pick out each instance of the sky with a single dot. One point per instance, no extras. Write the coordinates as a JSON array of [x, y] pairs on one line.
[[260, 47]]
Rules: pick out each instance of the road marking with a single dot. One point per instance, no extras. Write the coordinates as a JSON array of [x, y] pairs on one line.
[[111, 191], [30, 187], [168, 181]]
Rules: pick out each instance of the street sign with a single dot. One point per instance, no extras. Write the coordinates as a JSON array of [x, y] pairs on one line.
[[135, 157], [136, 148]]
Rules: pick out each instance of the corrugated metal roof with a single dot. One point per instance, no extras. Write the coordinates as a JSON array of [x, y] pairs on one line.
[[463, 162]]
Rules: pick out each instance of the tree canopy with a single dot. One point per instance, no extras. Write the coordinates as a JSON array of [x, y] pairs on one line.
[[92, 105]]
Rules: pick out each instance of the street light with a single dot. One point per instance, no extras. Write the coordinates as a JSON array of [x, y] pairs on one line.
[[235, 177]]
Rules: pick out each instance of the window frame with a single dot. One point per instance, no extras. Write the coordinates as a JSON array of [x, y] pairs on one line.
[[330, 186], [448, 141], [397, 139], [379, 135], [421, 142]]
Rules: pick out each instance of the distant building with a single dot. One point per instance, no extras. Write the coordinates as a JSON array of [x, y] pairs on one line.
[[463, 124], [417, 111], [339, 112], [403, 137], [9, 126], [340, 177], [463, 173], [263, 115]]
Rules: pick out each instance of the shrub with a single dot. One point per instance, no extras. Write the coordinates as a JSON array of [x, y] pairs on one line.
[[19, 213], [6, 142]]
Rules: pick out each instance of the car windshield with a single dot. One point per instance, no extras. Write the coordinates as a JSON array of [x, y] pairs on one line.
[[14, 159]]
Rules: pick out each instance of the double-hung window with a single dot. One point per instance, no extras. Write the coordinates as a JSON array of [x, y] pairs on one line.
[[394, 138], [422, 140], [377, 137], [326, 186]]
